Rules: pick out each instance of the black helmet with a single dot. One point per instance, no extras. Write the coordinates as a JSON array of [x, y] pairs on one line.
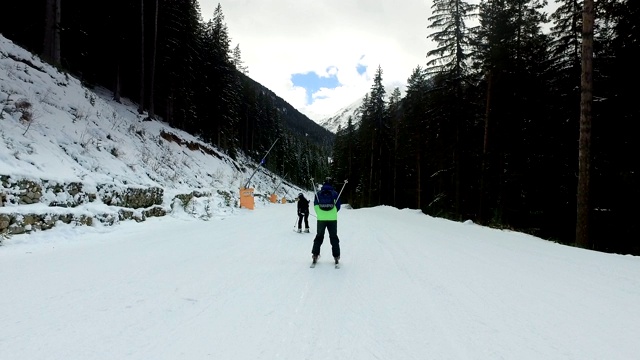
[[300, 195], [328, 180]]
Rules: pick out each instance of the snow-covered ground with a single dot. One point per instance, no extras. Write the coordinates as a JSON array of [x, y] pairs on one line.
[[240, 287]]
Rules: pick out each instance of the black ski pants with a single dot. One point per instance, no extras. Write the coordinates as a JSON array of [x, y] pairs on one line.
[[304, 216], [332, 226]]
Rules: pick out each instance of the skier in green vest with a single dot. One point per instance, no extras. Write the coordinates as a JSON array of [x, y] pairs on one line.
[[326, 204]]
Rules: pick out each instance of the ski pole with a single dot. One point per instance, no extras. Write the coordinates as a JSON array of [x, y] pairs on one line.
[[343, 185], [315, 190]]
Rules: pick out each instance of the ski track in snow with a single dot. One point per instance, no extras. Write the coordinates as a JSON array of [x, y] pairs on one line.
[[410, 287]]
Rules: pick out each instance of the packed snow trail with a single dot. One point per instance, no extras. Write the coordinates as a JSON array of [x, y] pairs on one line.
[[240, 287]]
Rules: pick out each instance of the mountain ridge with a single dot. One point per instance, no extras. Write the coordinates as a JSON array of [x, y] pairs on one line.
[[341, 117]]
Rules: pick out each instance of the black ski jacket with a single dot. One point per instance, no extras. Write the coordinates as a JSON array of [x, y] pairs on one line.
[[303, 205]]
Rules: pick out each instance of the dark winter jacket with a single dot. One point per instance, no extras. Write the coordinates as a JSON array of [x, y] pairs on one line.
[[332, 214], [303, 205]]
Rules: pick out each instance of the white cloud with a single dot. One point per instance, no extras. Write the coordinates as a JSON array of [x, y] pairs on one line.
[[284, 37]]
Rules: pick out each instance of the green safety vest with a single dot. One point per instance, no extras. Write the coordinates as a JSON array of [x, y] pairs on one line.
[[327, 215]]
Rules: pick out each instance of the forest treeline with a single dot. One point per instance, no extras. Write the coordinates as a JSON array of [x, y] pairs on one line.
[[178, 68], [488, 128]]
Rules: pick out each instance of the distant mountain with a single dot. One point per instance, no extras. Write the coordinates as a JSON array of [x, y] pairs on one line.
[[342, 117], [296, 121]]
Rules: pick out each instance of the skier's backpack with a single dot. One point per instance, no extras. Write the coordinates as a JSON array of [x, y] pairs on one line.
[[325, 200]]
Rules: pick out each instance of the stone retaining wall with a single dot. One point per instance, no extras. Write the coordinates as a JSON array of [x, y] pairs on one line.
[[125, 203]]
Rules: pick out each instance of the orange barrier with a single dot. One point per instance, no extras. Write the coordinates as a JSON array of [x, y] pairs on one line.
[[246, 198], [273, 198]]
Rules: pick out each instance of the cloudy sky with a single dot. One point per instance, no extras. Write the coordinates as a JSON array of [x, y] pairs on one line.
[[320, 56]]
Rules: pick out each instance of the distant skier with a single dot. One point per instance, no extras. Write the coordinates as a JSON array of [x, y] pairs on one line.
[[303, 213], [326, 204]]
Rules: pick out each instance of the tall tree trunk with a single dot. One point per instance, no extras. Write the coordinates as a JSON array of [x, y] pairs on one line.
[[584, 152], [369, 199], [141, 102], [394, 184], [485, 148], [117, 44], [419, 178], [51, 46], [56, 36], [152, 114], [169, 110], [380, 164], [350, 162], [116, 86], [457, 146], [245, 145]]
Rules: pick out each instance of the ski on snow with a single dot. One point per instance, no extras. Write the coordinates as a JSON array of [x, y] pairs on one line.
[[313, 264]]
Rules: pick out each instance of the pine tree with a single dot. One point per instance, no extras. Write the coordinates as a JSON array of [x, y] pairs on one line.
[[394, 114], [372, 132], [181, 64], [142, 63], [449, 62], [224, 86], [152, 70], [51, 48], [584, 153], [565, 45], [415, 129], [237, 60], [621, 112], [563, 77], [511, 52], [452, 37], [346, 160]]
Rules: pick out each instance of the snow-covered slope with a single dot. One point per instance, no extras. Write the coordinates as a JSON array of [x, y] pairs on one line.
[[240, 287], [54, 128], [341, 118]]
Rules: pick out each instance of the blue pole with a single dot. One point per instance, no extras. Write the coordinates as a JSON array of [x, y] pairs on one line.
[[261, 162]]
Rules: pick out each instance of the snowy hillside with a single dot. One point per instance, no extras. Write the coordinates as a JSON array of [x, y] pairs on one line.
[[341, 118], [56, 134]]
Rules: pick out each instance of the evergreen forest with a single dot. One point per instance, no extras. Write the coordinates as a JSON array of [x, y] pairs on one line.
[[488, 128], [178, 68]]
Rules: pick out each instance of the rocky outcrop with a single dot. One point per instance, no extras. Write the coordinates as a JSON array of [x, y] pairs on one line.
[[134, 198], [12, 224], [123, 203]]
